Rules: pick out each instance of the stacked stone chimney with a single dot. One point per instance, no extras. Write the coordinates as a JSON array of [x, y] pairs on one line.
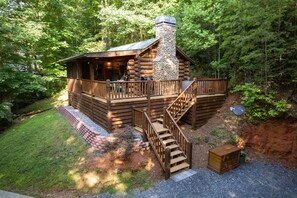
[[166, 65]]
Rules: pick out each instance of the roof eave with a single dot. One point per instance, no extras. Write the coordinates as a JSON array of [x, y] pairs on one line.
[[187, 57], [100, 55]]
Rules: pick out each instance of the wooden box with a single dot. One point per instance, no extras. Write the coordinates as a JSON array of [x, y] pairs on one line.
[[223, 158]]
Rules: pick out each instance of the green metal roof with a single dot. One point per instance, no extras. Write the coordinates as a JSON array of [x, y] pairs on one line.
[[133, 46]]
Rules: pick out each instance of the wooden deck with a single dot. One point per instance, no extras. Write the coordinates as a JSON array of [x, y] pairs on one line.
[[112, 109]]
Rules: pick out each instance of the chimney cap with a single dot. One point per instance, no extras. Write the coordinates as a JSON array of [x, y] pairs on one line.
[[165, 19]]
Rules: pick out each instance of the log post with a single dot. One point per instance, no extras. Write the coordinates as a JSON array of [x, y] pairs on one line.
[[133, 116], [189, 154], [109, 121], [148, 87], [167, 163], [143, 121], [164, 116], [180, 86]]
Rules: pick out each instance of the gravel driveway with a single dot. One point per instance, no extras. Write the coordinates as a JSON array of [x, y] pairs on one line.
[[255, 179]]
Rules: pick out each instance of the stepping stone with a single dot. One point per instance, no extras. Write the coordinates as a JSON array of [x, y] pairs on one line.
[[183, 175]]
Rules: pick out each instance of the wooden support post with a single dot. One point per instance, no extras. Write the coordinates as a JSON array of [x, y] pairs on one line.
[[109, 121], [164, 116], [167, 163], [133, 116], [180, 86], [148, 87], [189, 154], [194, 112], [143, 121]]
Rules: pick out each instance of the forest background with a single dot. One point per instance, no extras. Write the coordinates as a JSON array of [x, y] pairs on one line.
[[242, 40]]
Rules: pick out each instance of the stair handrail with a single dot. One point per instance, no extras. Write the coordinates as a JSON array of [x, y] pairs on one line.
[[171, 123], [192, 88], [162, 153], [179, 136]]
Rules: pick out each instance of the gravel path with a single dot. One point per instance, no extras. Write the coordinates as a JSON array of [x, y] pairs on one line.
[[255, 179]]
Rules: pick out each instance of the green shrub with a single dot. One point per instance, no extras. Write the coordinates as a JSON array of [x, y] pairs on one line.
[[217, 133], [259, 104], [197, 140], [5, 111]]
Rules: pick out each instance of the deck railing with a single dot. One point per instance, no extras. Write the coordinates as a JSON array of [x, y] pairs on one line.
[[115, 90], [99, 89], [162, 153], [212, 86]]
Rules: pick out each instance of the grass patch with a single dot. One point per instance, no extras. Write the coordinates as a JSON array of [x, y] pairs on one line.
[[44, 104], [43, 154], [217, 133], [38, 153]]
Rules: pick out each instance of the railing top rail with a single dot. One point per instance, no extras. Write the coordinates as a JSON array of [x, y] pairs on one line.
[[179, 129], [211, 79], [184, 91], [154, 129]]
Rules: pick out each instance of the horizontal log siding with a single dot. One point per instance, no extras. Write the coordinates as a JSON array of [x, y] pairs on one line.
[[121, 112], [184, 68], [94, 108], [132, 69], [146, 61], [100, 112], [206, 107]]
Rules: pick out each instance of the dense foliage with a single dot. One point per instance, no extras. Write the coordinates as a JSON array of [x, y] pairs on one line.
[[260, 105], [243, 40]]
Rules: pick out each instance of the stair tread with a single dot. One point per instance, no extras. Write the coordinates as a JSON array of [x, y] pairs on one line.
[[173, 146], [160, 120], [178, 159], [165, 135], [177, 152], [159, 127], [179, 167], [138, 129], [168, 141]]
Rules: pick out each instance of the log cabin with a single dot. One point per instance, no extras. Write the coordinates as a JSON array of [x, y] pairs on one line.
[[146, 85]]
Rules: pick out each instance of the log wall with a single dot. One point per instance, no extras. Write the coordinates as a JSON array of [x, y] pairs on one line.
[[203, 110], [121, 111], [145, 64], [93, 107]]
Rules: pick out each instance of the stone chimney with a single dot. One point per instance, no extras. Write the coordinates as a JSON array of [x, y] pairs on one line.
[[166, 65]]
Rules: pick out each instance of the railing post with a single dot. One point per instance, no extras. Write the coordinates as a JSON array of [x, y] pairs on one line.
[[164, 116], [180, 86], [109, 121], [167, 163], [149, 97], [133, 116], [143, 120], [189, 154]]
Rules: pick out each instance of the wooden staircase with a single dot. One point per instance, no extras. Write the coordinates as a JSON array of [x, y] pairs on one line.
[[178, 160], [170, 145], [183, 102]]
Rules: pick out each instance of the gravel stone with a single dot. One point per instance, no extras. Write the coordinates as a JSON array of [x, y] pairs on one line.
[[254, 179]]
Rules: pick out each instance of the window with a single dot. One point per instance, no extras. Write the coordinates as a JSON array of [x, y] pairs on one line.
[[98, 71], [85, 69]]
